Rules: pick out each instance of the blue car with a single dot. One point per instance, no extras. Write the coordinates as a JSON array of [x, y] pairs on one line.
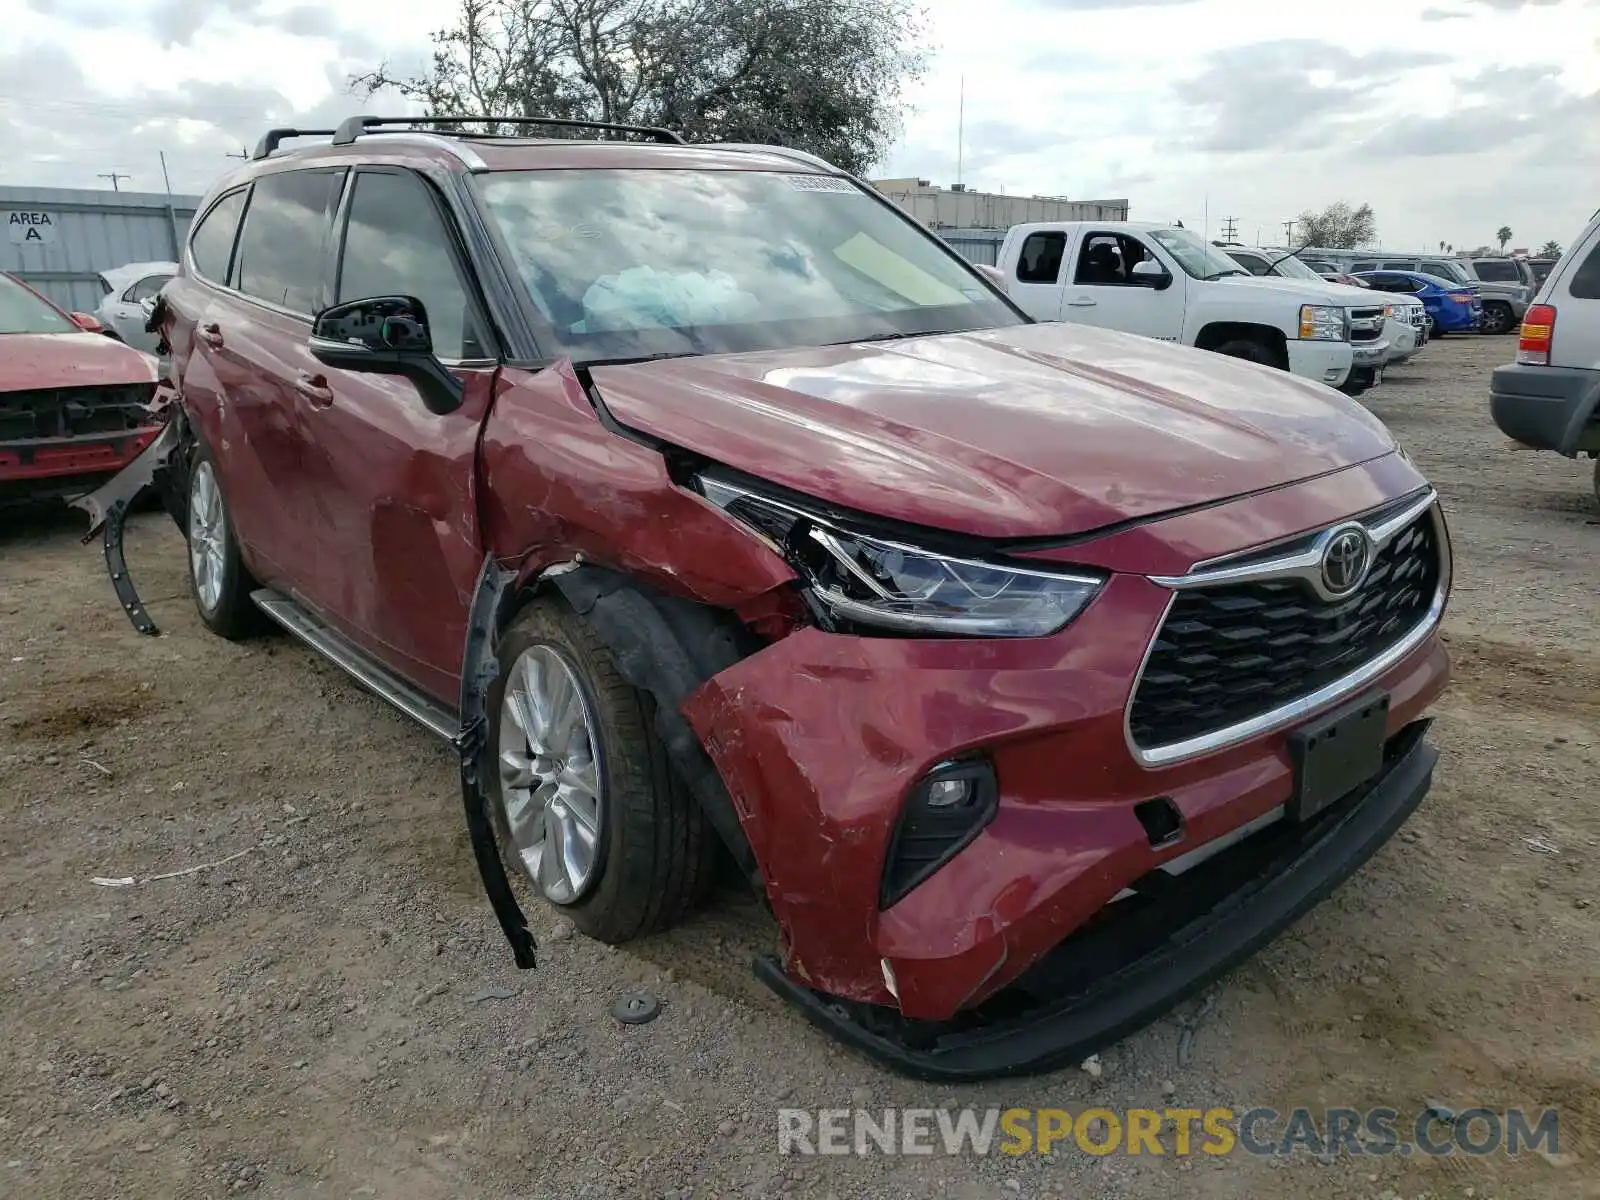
[[1452, 307]]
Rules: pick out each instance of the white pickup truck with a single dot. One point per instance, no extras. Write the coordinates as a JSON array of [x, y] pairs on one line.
[[1167, 283]]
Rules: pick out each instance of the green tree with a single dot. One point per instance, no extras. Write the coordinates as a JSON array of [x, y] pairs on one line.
[[1503, 235], [1338, 227], [827, 76], [1551, 249]]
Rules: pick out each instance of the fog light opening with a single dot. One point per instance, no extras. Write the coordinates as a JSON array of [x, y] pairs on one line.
[[1163, 823]]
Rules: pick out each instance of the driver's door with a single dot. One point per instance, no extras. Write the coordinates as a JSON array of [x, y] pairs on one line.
[[1105, 291], [392, 485]]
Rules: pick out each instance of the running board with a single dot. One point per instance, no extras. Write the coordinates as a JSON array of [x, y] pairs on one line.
[[358, 664]]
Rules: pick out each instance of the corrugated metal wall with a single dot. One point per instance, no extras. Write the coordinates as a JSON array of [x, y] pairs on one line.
[[90, 231], [974, 245]]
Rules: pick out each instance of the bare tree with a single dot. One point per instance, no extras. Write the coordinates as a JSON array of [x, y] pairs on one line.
[[826, 76], [1338, 226]]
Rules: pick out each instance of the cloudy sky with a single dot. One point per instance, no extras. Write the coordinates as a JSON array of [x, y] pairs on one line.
[[1451, 117]]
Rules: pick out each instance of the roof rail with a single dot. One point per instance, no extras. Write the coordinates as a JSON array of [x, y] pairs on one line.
[[349, 130], [273, 137], [804, 156]]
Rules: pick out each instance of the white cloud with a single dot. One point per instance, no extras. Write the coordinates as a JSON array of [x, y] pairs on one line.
[[1450, 120]]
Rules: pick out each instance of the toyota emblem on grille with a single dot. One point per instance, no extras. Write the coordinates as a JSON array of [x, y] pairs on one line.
[[1345, 560]]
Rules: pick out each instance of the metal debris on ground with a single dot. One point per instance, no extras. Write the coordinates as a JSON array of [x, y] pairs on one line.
[[636, 1008], [1539, 846], [1190, 1024], [491, 993], [129, 880]]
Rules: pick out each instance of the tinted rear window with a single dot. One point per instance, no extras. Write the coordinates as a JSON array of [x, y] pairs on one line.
[[281, 251], [1497, 272], [1585, 283], [212, 244]]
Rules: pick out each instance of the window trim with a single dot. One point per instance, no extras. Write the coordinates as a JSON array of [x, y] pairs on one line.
[[455, 246], [233, 246], [1119, 237]]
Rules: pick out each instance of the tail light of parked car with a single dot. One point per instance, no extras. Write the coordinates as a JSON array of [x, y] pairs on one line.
[[1538, 328]]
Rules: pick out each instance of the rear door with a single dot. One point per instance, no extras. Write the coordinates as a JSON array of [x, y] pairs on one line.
[[1036, 277], [256, 333], [390, 489]]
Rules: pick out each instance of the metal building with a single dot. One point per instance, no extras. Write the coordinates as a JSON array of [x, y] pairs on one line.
[[957, 207], [58, 239]]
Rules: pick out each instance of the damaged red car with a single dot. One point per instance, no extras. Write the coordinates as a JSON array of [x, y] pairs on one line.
[[1034, 674], [75, 407]]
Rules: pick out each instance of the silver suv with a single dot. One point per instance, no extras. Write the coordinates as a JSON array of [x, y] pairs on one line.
[[1550, 397]]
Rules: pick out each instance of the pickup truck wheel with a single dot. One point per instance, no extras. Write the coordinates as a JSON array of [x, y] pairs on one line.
[[586, 804], [1253, 351], [1497, 318], [217, 576]]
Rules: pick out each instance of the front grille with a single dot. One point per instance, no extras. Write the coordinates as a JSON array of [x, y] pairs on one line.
[[1229, 653], [1366, 324], [55, 413]]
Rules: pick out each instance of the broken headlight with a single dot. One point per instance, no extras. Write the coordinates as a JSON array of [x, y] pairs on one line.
[[860, 579]]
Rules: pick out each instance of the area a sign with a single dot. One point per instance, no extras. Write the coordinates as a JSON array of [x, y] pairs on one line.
[[31, 228]]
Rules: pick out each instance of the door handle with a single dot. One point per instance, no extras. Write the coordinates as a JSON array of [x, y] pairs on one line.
[[1082, 302], [211, 335], [315, 389]]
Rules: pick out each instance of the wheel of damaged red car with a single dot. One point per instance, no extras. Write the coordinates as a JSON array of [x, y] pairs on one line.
[[586, 806], [217, 576]]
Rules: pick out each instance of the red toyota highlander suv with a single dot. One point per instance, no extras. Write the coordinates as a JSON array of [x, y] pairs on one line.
[[1032, 673]]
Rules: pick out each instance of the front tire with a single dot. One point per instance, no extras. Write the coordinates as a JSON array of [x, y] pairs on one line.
[[1251, 351], [217, 576], [588, 809]]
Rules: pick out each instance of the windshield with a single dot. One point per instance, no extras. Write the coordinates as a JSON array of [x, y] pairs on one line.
[[23, 312], [1293, 268], [1446, 269], [633, 263], [1195, 255]]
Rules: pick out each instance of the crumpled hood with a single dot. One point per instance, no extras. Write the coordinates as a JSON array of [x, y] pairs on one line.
[[30, 361], [1030, 431]]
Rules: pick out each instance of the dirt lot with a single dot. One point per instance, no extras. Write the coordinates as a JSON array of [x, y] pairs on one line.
[[333, 1012]]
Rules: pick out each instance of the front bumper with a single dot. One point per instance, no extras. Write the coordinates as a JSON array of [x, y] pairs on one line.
[[820, 737], [1122, 973], [1325, 362], [41, 468], [1369, 354], [1548, 408]]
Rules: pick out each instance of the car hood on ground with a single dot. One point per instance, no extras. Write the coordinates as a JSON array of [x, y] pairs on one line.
[[1032, 431], [29, 361]]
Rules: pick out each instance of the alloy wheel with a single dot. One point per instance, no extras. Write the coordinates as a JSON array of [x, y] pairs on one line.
[[208, 533], [551, 785]]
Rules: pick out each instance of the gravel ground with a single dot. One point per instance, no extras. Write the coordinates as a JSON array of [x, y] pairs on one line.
[[331, 1011]]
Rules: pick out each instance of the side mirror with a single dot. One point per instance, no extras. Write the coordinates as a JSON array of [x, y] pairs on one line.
[[87, 323], [1151, 274], [993, 274], [386, 335]]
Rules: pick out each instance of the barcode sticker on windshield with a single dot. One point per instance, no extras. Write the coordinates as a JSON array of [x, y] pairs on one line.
[[819, 183]]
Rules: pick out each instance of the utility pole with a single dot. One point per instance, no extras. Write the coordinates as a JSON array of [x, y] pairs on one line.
[[961, 127], [1288, 234], [1229, 228], [172, 215], [244, 153], [113, 176]]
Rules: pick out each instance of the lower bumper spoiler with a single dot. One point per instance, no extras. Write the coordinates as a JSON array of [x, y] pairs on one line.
[[1049, 1019], [1547, 408]]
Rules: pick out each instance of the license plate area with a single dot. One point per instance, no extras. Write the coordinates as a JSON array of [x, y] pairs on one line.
[[1336, 754]]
